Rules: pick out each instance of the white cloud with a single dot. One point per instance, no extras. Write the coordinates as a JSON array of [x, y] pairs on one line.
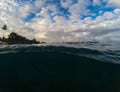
[[13, 14], [109, 37], [66, 3], [109, 16], [117, 12], [59, 20], [50, 25], [79, 8], [97, 2], [39, 4], [113, 3], [24, 11]]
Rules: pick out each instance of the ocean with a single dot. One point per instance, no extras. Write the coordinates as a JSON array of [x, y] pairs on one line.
[[60, 67]]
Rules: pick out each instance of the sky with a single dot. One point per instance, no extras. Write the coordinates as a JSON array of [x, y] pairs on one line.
[[62, 20]]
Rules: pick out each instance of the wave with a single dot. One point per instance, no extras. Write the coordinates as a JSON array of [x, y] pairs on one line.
[[31, 68], [108, 56]]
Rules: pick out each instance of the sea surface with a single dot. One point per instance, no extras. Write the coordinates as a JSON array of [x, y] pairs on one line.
[[60, 67]]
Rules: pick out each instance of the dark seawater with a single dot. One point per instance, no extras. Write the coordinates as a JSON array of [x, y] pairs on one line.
[[60, 67]]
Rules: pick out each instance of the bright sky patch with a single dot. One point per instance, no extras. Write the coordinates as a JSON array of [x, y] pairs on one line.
[[61, 20]]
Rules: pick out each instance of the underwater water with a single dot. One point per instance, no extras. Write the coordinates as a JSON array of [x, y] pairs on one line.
[[60, 67]]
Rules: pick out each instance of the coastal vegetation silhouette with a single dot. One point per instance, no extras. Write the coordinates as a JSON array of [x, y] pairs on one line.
[[14, 38]]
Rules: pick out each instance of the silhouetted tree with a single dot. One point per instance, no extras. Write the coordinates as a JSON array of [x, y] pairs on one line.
[[4, 27], [14, 38]]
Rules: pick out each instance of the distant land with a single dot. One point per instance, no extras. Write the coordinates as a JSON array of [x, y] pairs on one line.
[[14, 38]]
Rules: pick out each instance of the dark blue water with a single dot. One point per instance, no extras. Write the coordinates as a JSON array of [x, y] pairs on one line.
[[60, 67]]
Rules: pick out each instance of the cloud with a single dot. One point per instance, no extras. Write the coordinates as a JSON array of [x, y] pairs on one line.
[[11, 14], [66, 20], [97, 2], [39, 4], [48, 11], [24, 11], [113, 3], [109, 37], [66, 3], [79, 8], [117, 12]]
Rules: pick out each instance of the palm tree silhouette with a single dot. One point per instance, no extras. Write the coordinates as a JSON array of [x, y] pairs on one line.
[[4, 27]]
